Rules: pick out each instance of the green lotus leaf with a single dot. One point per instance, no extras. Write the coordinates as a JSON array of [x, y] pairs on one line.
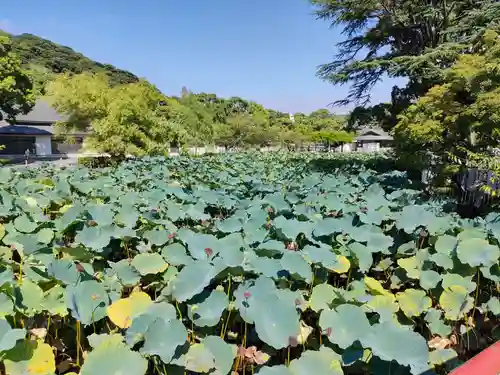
[[198, 242], [295, 264], [230, 249], [102, 214], [9, 336], [250, 294], [6, 305], [275, 332], [127, 274], [436, 324], [412, 266], [229, 225], [123, 311], [162, 338], [413, 302], [272, 247], [321, 297], [321, 255], [274, 370], [2, 231], [87, 301], [30, 357], [157, 237], [291, 228], [344, 325], [429, 279], [96, 340], [149, 263], [191, 280], [493, 305], [363, 255], [113, 357], [442, 260], [29, 297], [446, 245], [176, 254], [199, 359], [477, 252], [385, 305], [24, 224], [141, 323], [451, 279], [442, 356], [212, 355], [65, 271], [95, 238], [322, 362], [385, 340], [45, 236], [492, 273], [456, 302], [54, 302], [207, 310]]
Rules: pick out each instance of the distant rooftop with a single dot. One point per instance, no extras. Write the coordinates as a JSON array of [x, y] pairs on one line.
[[42, 112]]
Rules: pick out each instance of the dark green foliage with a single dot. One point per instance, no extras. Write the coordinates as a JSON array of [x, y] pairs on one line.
[[42, 53]]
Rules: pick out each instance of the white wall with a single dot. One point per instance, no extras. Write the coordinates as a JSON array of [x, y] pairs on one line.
[[43, 144]]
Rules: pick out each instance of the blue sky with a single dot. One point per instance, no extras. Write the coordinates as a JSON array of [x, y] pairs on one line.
[[262, 50]]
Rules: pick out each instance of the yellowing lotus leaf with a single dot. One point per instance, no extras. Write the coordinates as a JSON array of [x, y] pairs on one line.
[[342, 266], [30, 357], [374, 286], [123, 311]]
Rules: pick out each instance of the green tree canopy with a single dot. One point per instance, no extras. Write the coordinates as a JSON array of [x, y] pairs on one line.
[[121, 120], [16, 88], [460, 118]]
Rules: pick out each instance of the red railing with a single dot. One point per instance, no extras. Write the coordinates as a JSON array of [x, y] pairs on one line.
[[485, 363]]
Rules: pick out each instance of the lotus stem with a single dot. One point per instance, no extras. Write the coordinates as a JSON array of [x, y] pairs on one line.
[[78, 328], [178, 310], [288, 357], [477, 289], [21, 271]]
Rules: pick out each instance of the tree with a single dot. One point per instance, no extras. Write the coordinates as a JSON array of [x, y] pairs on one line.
[[412, 39], [16, 88], [121, 120], [459, 119]]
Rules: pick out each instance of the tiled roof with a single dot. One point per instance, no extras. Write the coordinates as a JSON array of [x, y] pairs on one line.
[[42, 112], [25, 130]]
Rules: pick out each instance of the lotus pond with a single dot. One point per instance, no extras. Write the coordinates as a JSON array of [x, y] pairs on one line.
[[238, 264]]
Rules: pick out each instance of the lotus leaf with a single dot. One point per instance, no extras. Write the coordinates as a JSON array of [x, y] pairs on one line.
[[123, 311], [385, 340], [477, 252], [451, 279], [192, 279], [296, 265], [24, 224], [429, 279], [413, 302], [54, 302], [113, 357], [9, 336], [344, 325], [30, 357], [412, 266], [456, 302], [321, 297], [322, 362], [440, 357], [436, 324], [127, 274], [87, 301], [374, 286], [275, 370], [148, 264], [29, 297], [207, 310], [162, 338]]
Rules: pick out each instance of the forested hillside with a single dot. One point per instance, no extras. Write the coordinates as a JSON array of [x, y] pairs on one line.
[[44, 57]]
